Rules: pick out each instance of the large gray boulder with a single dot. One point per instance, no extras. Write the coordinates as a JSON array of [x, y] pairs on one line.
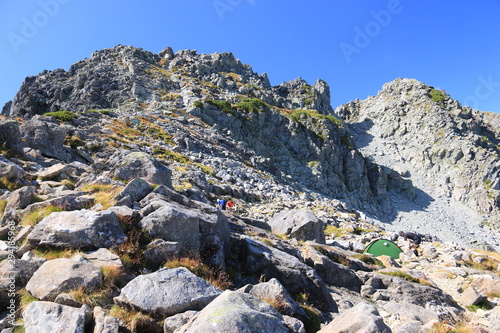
[[167, 292], [175, 223], [21, 198], [275, 294], [14, 274], [46, 137], [10, 136], [361, 318], [199, 228], [136, 190], [236, 312], [62, 275], [300, 224], [256, 258], [78, 229], [141, 165], [332, 273], [48, 317]]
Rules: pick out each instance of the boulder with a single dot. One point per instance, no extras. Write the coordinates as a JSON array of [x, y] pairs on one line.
[[48, 317], [67, 203], [256, 258], [486, 284], [46, 137], [176, 321], [12, 171], [10, 136], [159, 251], [14, 274], [175, 223], [55, 171], [360, 318], [141, 165], [236, 312], [62, 275], [331, 272], [407, 312], [21, 198], [105, 323], [471, 297], [275, 294], [167, 292], [78, 229], [136, 190], [300, 224], [103, 257], [199, 228]]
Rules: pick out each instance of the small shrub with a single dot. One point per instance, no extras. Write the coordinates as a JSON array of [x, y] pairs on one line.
[[63, 116], [222, 105], [437, 95], [32, 218]]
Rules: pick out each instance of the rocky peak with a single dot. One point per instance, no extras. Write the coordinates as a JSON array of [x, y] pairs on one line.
[[451, 151]]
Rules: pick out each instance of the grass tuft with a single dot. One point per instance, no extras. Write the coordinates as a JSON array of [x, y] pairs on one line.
[[215, 276], [32, 218]]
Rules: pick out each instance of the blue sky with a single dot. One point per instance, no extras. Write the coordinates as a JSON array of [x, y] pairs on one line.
[[355, 46]]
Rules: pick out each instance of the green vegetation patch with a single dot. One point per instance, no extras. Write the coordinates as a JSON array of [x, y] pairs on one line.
[[298, 114], [254, 105], [437, 95], [63, 116], [483, 305], [222, 105], [198, 104], [32, 218]]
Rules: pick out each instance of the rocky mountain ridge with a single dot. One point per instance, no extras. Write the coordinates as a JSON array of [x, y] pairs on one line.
[[129, 150]]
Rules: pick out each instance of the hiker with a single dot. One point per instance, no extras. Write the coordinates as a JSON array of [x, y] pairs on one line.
[[413, 239], [221, 204], [231, 205]]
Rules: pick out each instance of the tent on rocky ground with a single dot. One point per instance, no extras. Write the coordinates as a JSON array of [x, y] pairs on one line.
[[383, 247]]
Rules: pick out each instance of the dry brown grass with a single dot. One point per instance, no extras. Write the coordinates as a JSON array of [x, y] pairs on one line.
[[214, 275]]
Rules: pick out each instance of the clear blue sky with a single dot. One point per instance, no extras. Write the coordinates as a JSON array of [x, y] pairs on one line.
[[354, 45]]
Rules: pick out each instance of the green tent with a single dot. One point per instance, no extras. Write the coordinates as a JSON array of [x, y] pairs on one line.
[[383, 247]]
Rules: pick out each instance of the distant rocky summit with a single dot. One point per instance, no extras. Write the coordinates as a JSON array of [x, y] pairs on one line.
[[110, 173]]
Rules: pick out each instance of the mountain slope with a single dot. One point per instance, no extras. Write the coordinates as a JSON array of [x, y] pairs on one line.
[[450, 152]]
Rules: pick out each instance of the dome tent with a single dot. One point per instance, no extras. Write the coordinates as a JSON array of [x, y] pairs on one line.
[[383, 247]]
